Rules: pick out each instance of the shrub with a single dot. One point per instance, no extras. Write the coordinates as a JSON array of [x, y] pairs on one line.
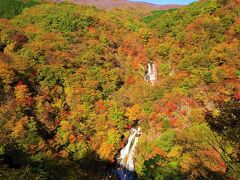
[[166, 140], [165, 69], [238, 73]]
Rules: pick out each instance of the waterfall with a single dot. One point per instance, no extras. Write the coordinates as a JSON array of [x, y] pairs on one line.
[[151, 74], [130, 161], [127, 153], [124, 152], [149, 70], [124, 167]]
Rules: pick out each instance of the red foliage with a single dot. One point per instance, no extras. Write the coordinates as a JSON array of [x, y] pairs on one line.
[[166, 111], [20, 38], [68, 113], [20, 83], [130, 80], [174, 123], [91, 29], [28, 101], [174, 104], [34, 73], [237, 95], [171, 106]]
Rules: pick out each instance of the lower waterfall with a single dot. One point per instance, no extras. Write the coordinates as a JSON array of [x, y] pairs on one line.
[[124, 168]]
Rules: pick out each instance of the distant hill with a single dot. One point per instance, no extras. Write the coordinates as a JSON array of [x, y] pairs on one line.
[[122, 4]]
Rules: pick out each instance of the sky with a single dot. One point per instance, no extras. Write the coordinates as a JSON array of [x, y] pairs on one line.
[[166, 1]]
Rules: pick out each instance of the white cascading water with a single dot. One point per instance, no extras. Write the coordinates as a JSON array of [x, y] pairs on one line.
[[127, 153], [151, 75], [130, 161]]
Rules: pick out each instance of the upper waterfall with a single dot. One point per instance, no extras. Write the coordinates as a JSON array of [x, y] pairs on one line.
[[151, 74]]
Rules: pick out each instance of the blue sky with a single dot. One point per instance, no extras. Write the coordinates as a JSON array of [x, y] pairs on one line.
[[166, 1]]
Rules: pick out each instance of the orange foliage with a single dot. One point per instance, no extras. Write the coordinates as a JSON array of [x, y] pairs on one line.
[[214, 161], [100, 107], [64, 153], [130, 80], [157, 151], [158, 126], [153, 116], [136, 51], [22, 94], [6, 74], [72, 138], [135, 63], [66, 126], [106, 151], [174, 123], [18, 128], [133, 112], [91, 29]]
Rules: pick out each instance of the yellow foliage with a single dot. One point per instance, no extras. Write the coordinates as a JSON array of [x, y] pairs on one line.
[[106, 151], [58, 103], [20, 63], [133, 112], [66, 125], [215, 112], [197, 115], [10, 48], [6, 74], [21, 92], [18, 128], [187, 162], [175, 152]]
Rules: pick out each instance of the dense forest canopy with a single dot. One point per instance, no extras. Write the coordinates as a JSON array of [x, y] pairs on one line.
[[72, 82]]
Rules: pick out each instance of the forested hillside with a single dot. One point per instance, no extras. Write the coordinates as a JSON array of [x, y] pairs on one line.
[[72, 83]]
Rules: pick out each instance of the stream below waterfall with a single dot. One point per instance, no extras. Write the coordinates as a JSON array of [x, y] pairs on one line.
[[123, 168]]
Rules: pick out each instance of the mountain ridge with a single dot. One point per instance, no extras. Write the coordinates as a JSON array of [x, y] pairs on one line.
[[122, 4]]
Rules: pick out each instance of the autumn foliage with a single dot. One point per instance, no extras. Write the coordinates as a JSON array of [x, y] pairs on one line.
[[72, 85]]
